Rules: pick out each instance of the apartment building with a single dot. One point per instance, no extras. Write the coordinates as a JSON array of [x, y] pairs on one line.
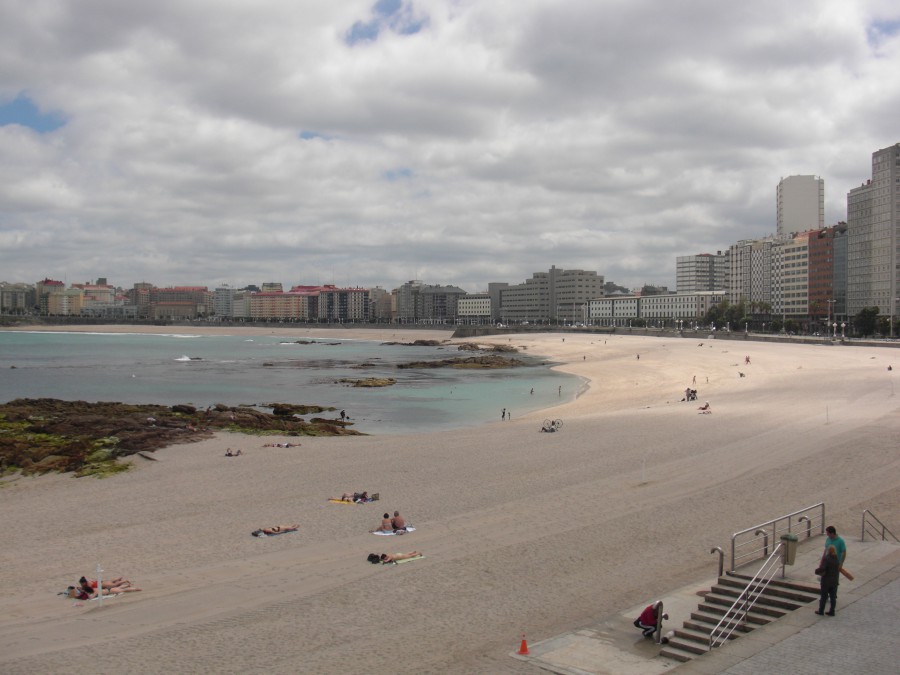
[[873, 227], [557, 295], [701, 272], [800, 204], [474, 308]]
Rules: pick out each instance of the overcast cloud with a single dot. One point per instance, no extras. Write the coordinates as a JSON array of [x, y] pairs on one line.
[[368, 143]]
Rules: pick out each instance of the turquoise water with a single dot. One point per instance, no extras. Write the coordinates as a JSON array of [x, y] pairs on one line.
[[245, 370]]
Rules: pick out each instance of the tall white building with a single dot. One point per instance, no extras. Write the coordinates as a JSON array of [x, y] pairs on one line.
[[873, 229], [800, 204]]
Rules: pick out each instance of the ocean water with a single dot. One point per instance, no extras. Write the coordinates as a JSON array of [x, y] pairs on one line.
[[251, 370]]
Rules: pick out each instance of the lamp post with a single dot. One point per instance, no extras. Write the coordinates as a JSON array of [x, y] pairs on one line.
[[834, 335], [842, 329]]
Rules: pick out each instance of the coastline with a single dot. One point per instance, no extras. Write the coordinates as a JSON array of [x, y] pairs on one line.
[[523, 532]]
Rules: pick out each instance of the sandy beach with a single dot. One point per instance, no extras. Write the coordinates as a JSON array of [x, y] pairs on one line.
[[523, 532]]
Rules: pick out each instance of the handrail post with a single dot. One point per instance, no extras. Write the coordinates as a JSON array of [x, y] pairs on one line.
[[659, 619], [863, 537], [808, 525], [732, 552], [721, 558], [765, 535]]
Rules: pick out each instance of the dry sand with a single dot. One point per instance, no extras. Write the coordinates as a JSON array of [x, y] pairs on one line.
[[523, 532]]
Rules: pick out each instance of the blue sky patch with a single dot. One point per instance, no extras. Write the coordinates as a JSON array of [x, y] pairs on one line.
[[402, 173], [879, 30], [24, 112], [388, 14], [310, 135]]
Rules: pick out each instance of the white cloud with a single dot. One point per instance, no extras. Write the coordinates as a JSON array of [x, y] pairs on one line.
[[461, 142]]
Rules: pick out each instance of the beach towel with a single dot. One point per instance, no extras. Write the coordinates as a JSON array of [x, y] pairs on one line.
[[393, 532], [400, 562], [343, 501]]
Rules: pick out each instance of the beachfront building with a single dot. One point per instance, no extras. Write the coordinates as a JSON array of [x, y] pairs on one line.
[[276, 305], [800, 204], [223, 302], [822, 271], [750, 271], [840, 245], [557, 296], [406, 305], [474, 308], [440, 303], [64, 302], [18, 298], [340, 305], [701, 272], [179, 302], [873, 227], [379, 305], [673, 310], [790, 276], [667, 309]]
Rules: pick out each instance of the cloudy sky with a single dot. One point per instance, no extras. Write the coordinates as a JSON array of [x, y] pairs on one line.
[[363, 142]]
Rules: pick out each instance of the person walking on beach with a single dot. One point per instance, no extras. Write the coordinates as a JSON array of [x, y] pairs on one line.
[[829, 571], [503, 414]]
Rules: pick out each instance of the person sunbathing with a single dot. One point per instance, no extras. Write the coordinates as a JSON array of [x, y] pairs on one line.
[[705, 408], [387, 558], [386, 524], [279, 529], [91, 585]]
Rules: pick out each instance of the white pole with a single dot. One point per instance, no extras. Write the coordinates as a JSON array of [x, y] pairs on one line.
[[99, 585]]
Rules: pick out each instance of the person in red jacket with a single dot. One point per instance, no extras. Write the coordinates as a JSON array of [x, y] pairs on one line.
[[647, 620]]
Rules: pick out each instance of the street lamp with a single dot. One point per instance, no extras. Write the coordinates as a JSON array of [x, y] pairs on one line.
[[842, 329], [834, 325]]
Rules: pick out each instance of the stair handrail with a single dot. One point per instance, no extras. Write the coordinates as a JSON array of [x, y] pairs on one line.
[[884, 529], [810, 515], [737, 613]]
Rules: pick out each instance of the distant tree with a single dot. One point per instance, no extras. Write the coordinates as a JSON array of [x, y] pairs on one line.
[[864, 322]]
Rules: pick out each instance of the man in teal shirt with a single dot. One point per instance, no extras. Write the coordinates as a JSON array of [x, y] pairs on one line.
[[834, 540]]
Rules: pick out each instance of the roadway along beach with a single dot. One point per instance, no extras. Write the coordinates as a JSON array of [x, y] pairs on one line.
[[523, 532]]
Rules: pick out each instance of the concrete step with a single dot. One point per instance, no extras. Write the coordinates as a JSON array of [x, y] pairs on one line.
[[752, 617], [684, 645], [774, 590], [705, 627], [711, 619], [781, 583], [673, 651], [725, 601], [695, 635], [763, 599]]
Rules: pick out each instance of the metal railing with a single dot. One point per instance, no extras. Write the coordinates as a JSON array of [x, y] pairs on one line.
[[736, 615], [745, 549], [871, 527]]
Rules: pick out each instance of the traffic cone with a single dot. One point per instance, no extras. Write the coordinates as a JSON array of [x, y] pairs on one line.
[[523, 648]]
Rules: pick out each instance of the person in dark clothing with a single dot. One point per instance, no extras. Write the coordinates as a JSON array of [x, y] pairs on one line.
[[830, 573]]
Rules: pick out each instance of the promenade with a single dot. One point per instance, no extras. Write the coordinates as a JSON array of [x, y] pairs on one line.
[[861, 638]]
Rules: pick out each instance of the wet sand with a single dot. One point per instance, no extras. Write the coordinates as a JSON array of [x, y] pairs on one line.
[[523, 532]]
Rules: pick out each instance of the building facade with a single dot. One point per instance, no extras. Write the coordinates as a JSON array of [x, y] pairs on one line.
[[800, 204], [702, 272], [873, 228]]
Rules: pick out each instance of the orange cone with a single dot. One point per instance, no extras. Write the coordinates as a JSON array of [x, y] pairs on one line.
[[523, 648]]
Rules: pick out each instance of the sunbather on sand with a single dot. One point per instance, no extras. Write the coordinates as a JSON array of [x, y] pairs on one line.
[[387, 558], [354, 497], [91, 584], [279, 529], [386, 524]]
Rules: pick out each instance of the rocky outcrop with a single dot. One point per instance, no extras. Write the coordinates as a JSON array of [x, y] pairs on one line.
[[491, 361], [41, 435]]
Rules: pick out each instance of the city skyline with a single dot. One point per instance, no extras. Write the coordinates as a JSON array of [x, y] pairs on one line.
[[370, 143]]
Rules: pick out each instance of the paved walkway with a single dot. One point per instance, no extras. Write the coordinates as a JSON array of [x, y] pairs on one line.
[[862, 638]]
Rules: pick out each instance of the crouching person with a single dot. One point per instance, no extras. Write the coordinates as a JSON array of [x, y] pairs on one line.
[[648, 619]]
